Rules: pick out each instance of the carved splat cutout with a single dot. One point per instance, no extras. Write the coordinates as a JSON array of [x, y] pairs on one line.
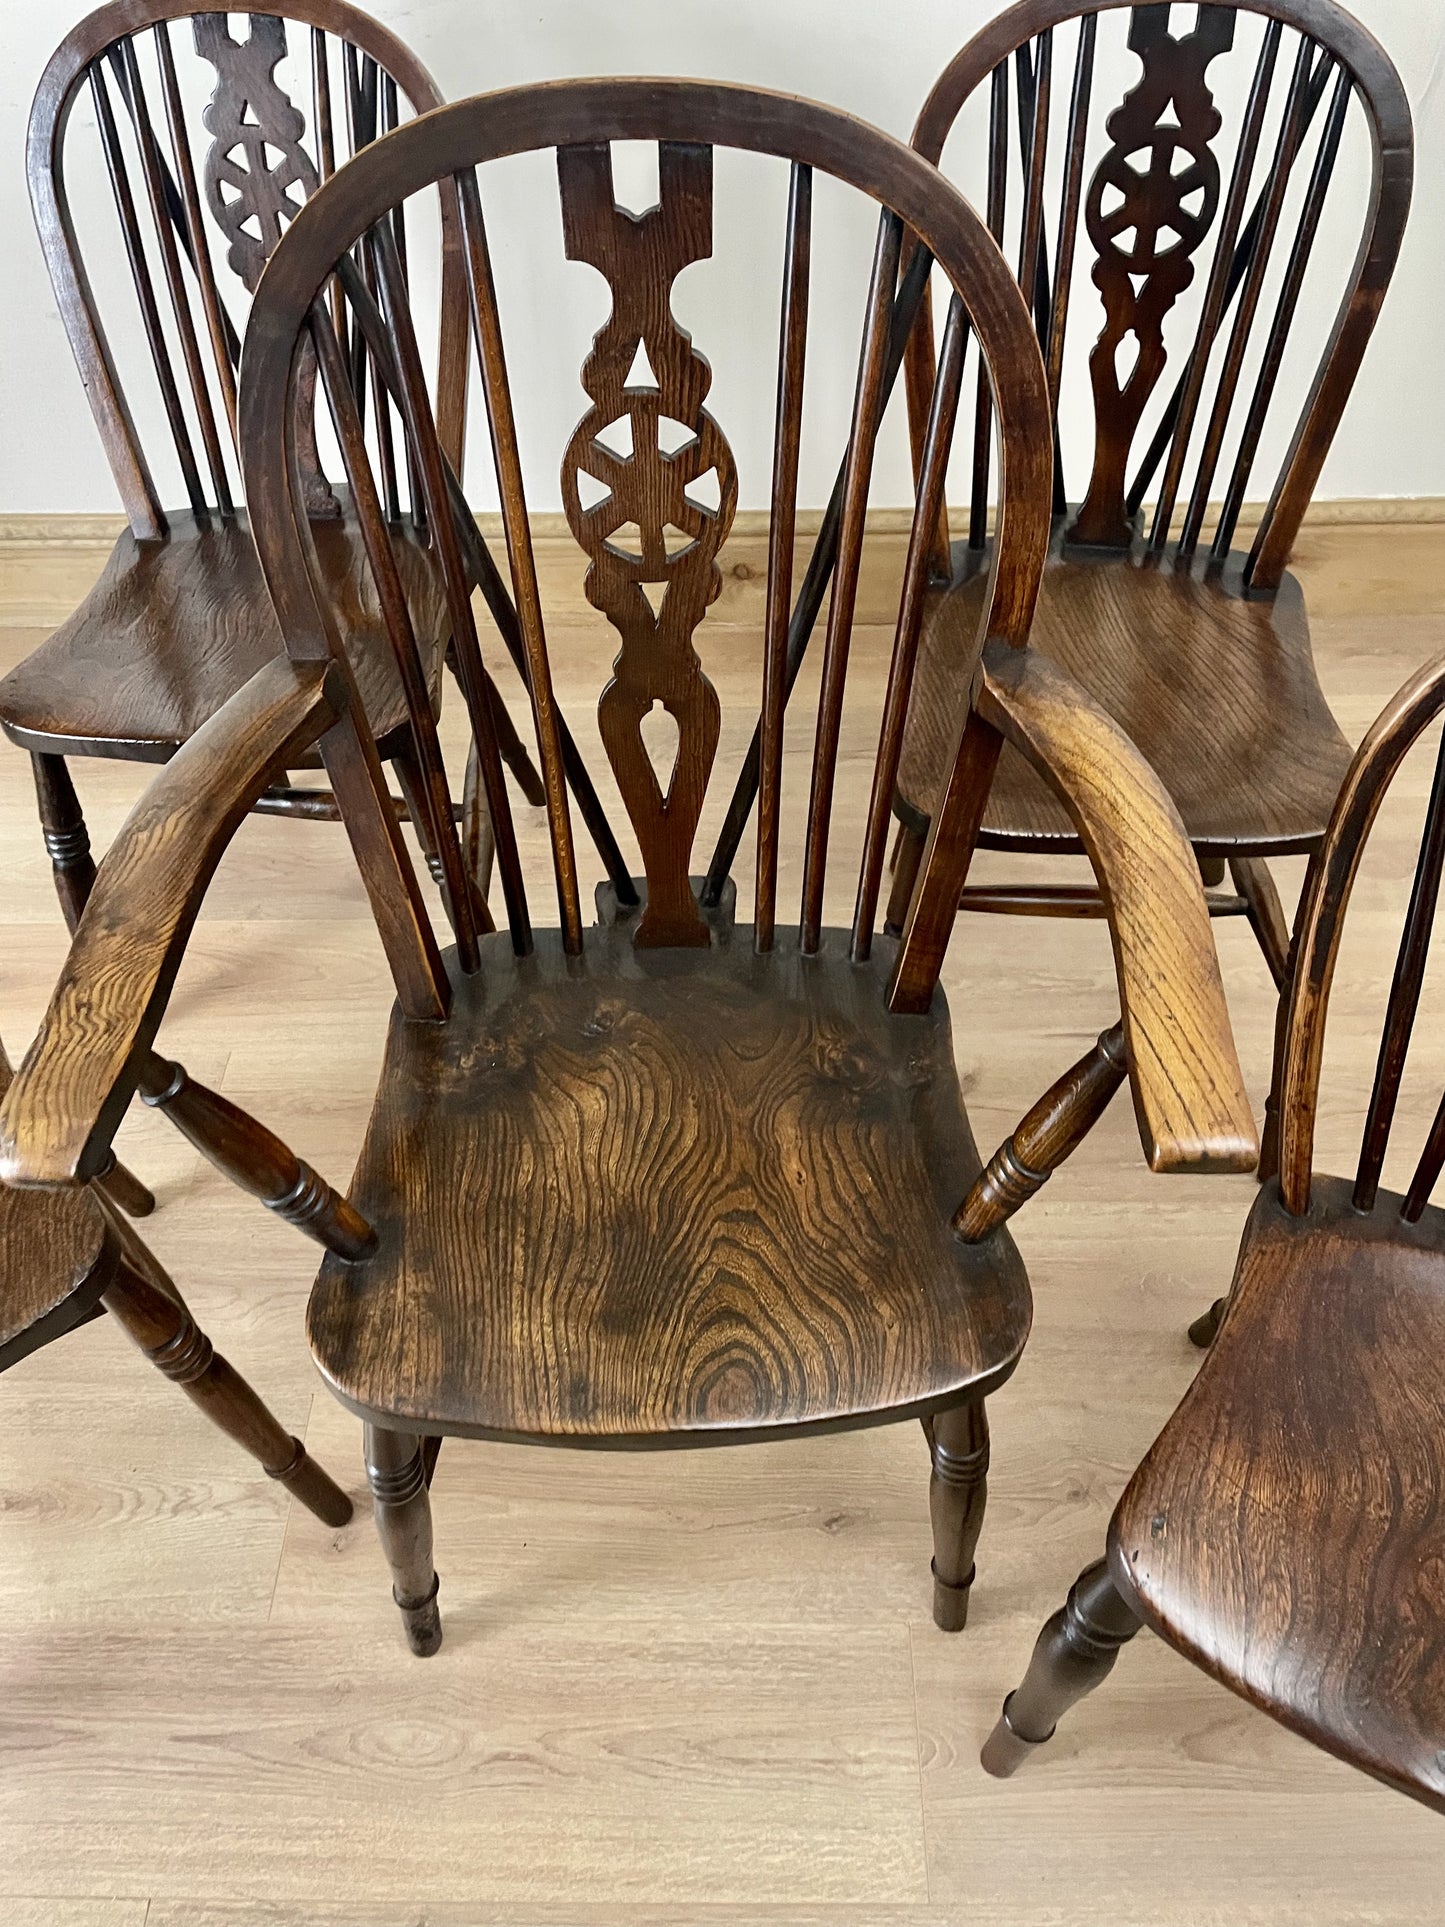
[[654, 534], [249, 193], [1150, 204]]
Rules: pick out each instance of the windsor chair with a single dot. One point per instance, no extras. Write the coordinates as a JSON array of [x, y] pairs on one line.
[[1286, 1531], [180, 618], [67, 1256], [673, 1179], [1199, 649]]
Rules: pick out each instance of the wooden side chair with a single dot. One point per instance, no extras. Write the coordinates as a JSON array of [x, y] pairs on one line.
[[1198, 648], [179, 619], [67, 1256], [1286, 1531], [673, 1179]]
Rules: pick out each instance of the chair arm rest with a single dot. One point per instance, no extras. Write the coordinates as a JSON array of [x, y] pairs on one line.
[[71, 1092], [1189, 1096]]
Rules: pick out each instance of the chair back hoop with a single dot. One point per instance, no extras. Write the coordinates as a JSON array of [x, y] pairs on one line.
[[1149, 222], [1318, 928], [183, 193], [651, 541]]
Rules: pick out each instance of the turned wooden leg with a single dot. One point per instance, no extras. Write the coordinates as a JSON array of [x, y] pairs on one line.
[[907, 855], [125, 1190], [1211, 871], [1202, 1331], [957, 1494], [479, 843], [148, 1305], [397, 1473], [1265, 912], [255, 1159], [413, 788], [66, 838], [1055, 1127], [512, 750], [1074, 1652]]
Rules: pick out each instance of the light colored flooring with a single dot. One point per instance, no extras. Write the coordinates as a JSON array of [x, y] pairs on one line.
[[678, 1689]]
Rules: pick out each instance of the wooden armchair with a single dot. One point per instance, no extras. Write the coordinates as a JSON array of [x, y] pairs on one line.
[[1198, 648], [675, 1179], [67, 1256], [1286, 1531], [180, 619]]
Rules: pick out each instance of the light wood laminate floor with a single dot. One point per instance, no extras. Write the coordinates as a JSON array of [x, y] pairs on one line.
[[676, 1690]]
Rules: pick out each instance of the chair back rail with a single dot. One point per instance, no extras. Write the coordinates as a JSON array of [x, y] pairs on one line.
[[1155, 208], [186, 192], [649, 480], [1318, 931]]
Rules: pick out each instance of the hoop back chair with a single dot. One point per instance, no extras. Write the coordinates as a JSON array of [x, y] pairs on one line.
[[68, 1256], [672, 1179], [179, 619], [1286, 1531], [1198, 648]]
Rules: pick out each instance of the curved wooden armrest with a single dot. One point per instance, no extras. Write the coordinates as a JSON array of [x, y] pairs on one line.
[[1189, 1096], [71, 1092]]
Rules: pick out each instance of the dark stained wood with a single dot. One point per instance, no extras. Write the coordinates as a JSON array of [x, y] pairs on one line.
[[67, 841], [398, 1474], [1286, 1530], [648, 528], [957, 1492], [724, 1162], [1208, 669]]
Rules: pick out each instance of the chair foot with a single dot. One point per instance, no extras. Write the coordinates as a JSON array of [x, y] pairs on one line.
[[397, 1474], [422, 1623], [125, 1189], [305, 1480], [957, 1496], [1202, 1331], [907, 855], [1073, 1654]]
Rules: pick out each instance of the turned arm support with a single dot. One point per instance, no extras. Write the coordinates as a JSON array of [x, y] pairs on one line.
[[72, 1090], [1189, 1096]]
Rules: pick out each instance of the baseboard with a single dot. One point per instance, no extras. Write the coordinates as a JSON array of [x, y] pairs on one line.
[[49, 562]]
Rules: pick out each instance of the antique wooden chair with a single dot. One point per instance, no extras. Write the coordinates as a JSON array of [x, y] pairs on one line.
[[67, 1256], [672, 1180], [1286, 1531], [180, 618], [1199, 649]]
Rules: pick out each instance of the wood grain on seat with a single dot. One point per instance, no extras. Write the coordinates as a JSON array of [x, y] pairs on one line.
[[1287, 1529], [667, 1194], [1218, 692], [173, 629], [55, 1262]]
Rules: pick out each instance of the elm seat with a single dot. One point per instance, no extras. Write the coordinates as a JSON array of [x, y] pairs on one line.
[[1186, 664], [644, 1194], [1288, 1527], [56, 1258], [173, 629]]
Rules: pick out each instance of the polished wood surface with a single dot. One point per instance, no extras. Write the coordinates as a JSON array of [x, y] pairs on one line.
[[723, 1163], [764, 1727]]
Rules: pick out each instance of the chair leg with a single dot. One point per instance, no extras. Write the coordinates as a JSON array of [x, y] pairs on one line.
[[66, 839], [1265, 912], [1075, 1651], [957, 1494], [1202, 1331], [148, 1305], [397, 1473], [125, 1190], [907, 855]]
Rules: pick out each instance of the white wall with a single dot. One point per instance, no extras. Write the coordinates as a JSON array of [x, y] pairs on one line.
[[877, 61]]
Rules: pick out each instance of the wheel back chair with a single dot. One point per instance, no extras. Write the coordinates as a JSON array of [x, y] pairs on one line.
[[180, 618], [1286, 1531], [67, 1256], [1199, 649], [672, 1179]]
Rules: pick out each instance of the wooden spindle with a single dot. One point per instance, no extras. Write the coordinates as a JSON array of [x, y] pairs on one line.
[[175, 282], [907, 313], [1290, 133], [782, 524], [997, 206], [1214, 295], [506, 456], [857, 473], [1289, 295], [938, 440], [1069, 212], [1427, 1171], [144, 288], [436, 797], [1404, 994], [224, 351], [1035, 160]]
